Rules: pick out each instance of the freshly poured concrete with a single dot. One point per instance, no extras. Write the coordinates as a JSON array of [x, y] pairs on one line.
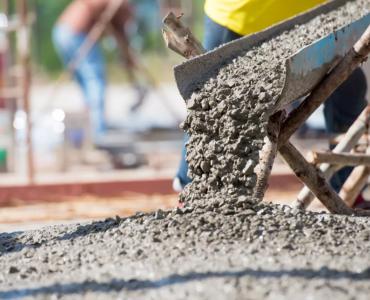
[[227, 117], [223, 245], [237, 251]]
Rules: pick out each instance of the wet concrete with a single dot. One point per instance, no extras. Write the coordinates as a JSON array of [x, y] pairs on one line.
[[236, 251], [227, 116], [224, 244]]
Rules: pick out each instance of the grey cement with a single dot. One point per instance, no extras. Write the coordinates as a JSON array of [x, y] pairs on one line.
[[237, 251], [224, 244], [227, 117]]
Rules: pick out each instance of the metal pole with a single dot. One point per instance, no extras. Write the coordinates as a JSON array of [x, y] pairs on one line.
[[23, 46]]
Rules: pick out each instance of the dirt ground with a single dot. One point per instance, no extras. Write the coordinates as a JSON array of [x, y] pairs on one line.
[[25, 216], [22, 215]]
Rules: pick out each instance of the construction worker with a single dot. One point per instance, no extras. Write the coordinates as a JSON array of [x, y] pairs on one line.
[[70, 33], [226, 20]]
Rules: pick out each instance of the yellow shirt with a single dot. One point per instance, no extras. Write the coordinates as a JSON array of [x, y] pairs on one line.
[[248, 16]]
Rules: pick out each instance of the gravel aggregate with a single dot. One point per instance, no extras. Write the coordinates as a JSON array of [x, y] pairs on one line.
[[227, 117], [236, 251], [223, 244]]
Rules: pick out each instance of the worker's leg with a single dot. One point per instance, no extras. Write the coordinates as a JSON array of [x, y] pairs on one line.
[[91, 77], [182, 178], [341, 110], [90, 73], [214, 36]]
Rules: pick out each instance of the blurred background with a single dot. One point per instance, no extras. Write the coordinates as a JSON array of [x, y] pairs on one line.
[[51, 170], [49, 162], [57, 108]]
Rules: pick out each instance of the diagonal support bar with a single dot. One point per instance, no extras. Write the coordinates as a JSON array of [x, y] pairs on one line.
[[267, 155], [350, 139], [314, 180], [354, 184], [317, 183], [356, 181]]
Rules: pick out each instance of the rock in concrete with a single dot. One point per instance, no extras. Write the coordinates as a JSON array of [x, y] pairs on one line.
[[224, 244]]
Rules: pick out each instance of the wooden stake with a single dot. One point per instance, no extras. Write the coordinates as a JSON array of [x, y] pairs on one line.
[[357, 180], [267, 155], [23, 45], [314, 180], [354, 184], [341, 159], [350, 139], [179, 38]]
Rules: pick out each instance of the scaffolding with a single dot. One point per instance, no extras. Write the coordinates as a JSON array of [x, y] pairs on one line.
[[15, 27]]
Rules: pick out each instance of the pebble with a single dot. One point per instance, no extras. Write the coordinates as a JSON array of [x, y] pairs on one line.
[[224, 244]]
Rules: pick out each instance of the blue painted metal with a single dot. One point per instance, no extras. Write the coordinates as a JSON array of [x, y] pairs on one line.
[[325, 50], [304, 69], [307, 67]]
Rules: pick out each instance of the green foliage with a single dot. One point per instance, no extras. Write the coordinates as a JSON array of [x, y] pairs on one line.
[[43, 50]]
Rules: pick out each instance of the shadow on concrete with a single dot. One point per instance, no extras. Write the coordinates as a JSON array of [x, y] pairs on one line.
[[118, 285], [10, 242], [91, 228]]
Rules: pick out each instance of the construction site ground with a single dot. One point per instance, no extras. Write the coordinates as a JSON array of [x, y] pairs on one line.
[[237, 251], [233, 250], [145, 189]]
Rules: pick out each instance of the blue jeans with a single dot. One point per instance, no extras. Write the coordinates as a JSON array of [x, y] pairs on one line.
[[340, 111], [89, 74]]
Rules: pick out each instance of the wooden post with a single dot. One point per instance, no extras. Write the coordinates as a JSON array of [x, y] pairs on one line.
[[354, 184], [314, 180], [7, 82], [179, 38], [350, 139], [23, 45], [357, 180], [340, 159], [267, 155], [333, 80]]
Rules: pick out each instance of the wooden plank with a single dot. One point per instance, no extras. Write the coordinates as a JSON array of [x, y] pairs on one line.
[[179, 38], [354, 185], [314, 180], [23, 47], [341, 159], [349, 140]]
